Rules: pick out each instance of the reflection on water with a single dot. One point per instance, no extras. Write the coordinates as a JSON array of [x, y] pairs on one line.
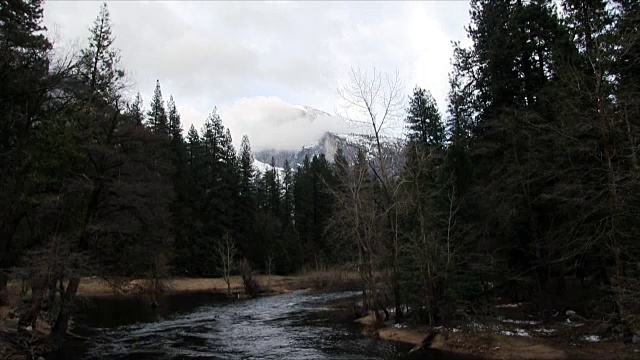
[[206, 326]]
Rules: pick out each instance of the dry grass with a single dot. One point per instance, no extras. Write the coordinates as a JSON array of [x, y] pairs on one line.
[[101, 287], [329, 280], [271, 284]]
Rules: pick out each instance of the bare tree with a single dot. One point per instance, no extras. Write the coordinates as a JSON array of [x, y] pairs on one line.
[[356, 217], [269, 266], [226, 250], [375, 101]]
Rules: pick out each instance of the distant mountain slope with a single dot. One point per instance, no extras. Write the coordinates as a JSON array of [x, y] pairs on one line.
[[262, 167], [328, 144]]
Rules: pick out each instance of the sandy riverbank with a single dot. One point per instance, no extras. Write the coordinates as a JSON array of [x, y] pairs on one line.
[[499, 339], [495, 346], [490, 345]]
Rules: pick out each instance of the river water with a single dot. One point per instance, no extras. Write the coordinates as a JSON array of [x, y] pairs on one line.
[[207, 326]]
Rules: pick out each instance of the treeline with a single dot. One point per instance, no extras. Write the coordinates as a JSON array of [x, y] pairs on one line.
[[529, 178], [528, 187], [93, 182]]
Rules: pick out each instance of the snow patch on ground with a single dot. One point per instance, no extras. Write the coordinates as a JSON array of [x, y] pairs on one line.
[[520, 322], [514, 305], [590, 338], [516, 332], [545, 331], [477, 326], [574, 324]]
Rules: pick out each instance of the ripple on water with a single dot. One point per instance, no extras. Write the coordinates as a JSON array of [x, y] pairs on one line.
[[277, 327]]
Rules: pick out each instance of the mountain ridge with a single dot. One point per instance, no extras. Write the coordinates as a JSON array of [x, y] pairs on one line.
[[328, 144]]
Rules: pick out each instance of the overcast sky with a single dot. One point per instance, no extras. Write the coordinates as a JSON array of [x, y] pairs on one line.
[[247, 56]]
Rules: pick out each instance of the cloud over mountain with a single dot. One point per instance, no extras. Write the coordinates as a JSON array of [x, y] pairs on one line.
[[272, 123]]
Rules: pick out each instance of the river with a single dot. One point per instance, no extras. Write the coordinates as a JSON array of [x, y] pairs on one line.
[[208, 326]]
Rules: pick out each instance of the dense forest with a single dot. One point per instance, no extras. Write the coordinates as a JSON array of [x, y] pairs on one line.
[[527, 185]]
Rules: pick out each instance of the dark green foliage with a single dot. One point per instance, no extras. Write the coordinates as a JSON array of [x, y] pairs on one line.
[[537, 167], [313, 206], [135, 110], [157, 115], [26, 80], [423, 119]]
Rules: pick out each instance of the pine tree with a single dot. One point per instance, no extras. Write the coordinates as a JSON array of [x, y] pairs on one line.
[[136, 110], [459, 127], [246, 168], [194, 161], [231, 184], [181, 206], [273, 188], [99, 61], [289, 256], [287, 193], [247, 194], [157, 115], [128, 173], [303, 204], [591, 110], [424, 120], [175, 126], [26, 82], [501, 151]]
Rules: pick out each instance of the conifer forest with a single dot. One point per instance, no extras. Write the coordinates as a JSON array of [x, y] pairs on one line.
[[523, 186]]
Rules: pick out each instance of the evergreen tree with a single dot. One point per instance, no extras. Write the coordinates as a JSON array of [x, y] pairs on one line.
[[99, 61], [287, 193], [157, 115], [246, 195], [175, 127], [423, 119], [273, 188], [26, 82], [136, 110], [181, 206], [231, 183], [246, 168], [290, 256], [303, 204], [591, 110], [127, 173], [195, 163]]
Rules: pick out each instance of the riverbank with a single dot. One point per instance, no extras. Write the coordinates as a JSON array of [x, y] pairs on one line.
[[497, 338], [11, 338], [269, 284]]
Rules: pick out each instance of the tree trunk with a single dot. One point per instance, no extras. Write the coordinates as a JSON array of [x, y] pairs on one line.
[[52, 293], [37, 293], [62, 321], [4, 291]]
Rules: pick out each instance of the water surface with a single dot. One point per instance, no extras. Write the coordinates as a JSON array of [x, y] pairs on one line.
[[207, 326]]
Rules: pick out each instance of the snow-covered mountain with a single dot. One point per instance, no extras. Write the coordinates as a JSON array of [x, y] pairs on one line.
[[328, 143], [262, 167]]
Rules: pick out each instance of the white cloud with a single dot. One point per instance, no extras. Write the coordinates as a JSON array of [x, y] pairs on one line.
[[223, 54], [271, 122]]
